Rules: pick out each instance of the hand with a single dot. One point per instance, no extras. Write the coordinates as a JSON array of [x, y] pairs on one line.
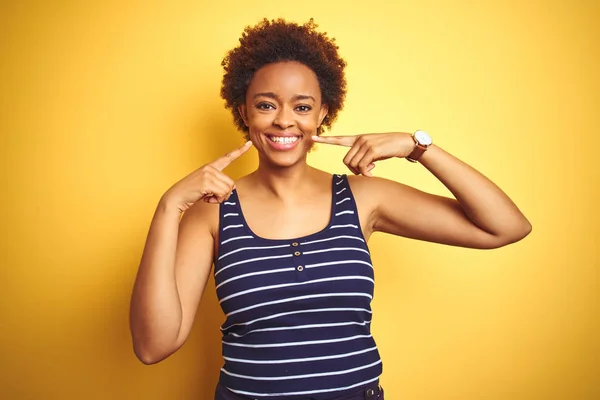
[[367, 148], [207, 183]]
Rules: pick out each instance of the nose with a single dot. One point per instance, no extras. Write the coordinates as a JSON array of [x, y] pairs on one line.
[[284, 118]]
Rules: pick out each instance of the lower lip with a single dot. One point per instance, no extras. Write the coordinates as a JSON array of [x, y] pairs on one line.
[[283, 146]]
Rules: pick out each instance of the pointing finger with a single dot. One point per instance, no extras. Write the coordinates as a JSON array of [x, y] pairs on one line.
[[346, 141], [222, 162]]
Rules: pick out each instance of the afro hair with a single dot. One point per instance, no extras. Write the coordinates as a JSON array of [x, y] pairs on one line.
[[275, 41]]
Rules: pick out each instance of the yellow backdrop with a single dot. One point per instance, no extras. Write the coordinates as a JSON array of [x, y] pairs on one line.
[[103, 105]]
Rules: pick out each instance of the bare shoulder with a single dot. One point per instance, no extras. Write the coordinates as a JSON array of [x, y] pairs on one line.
[[368, 192], [202, 216], [372, 189]]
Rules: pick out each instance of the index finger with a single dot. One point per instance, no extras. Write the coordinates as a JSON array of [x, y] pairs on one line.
[[346, 141], [222, 162]]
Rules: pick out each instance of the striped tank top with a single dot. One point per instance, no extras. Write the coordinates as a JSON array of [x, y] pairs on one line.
[[298, 310]]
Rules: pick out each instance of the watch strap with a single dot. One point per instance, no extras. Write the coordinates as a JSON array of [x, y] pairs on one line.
[[417, 151]]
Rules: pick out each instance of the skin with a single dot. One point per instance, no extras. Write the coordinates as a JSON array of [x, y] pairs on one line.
[[286, 198]]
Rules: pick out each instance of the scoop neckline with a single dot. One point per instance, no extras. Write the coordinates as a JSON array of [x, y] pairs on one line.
[[294, 239]]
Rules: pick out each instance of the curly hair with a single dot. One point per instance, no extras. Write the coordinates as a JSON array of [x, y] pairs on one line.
[[278, 40]]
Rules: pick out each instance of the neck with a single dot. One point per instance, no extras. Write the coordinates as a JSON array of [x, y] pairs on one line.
[[280, 181]]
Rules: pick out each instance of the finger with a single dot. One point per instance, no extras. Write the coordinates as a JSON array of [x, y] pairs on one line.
[[349, 156], [221, 199], [218, 175], [220, 188], [346, 141], [222, 162], [215, 199], [358, 156], [351, 153], [365, 162], [215, 191]]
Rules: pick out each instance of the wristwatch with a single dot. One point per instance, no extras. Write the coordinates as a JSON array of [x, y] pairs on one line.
[[423, 141]]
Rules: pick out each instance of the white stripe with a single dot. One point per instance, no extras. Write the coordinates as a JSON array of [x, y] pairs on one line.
[[338, 175], [292, 360], [309, 326], [237, 238], [251, 260], [340, 191], [232, 226], [305, 392], [344, 212], [306, 343], [297, 312], [309, 296], [271, 271], [230, 215], [283, 378], [228, 203], [337, 183], [332, 238], [253, 248], [343, 200], [263, 288], [336, 249], [344, 226], [337, 263]]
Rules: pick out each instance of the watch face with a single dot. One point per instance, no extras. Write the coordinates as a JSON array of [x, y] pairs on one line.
[[423, 138]]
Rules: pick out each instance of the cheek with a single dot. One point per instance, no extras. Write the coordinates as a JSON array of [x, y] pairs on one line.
[[258, 122], [309, 123]]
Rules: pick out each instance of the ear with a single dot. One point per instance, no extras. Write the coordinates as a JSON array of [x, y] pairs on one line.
[[242, 110], [323, 113]]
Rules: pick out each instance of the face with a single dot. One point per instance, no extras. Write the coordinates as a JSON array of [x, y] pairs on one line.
[[283, 110]]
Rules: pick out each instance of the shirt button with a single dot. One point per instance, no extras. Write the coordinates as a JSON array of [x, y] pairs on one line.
[[296, 253], [295, 244], [370, 393], [300, 268]]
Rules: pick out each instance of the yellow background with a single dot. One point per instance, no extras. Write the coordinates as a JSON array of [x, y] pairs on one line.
[[103, 105]]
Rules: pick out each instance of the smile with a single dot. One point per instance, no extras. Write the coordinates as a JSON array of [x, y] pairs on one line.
[[283, 143], [283, 139]]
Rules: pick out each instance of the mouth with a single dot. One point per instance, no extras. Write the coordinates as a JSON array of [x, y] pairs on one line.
[[286, 142]]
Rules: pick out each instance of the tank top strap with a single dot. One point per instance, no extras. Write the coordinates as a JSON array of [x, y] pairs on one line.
[[345, 213], [232, 226]]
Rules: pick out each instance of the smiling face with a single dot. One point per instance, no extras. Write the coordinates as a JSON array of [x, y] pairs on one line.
[[283, 110]]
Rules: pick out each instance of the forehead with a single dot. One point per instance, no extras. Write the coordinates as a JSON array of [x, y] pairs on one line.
[[286, 79]]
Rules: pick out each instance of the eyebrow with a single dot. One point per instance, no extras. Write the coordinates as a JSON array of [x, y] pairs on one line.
[[295, 97]]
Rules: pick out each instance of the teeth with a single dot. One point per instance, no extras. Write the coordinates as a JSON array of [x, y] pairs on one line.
[[284, 139]]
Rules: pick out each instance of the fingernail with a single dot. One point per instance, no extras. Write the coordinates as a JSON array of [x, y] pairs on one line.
[[248, 142], [315, 137]]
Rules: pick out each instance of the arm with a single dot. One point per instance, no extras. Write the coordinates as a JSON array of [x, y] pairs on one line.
[[177, 260], [173, 272], [481, 216]]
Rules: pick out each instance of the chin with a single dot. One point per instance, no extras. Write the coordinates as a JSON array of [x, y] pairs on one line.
[[283, 160]]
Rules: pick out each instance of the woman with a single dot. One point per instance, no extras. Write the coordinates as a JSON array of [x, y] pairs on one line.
[[292, 268]]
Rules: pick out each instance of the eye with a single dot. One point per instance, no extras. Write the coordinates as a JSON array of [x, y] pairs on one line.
[[304, 108], [265, 106]]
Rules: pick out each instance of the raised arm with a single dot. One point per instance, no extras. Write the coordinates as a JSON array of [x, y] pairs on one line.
[[176, 261], [480, 216]]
